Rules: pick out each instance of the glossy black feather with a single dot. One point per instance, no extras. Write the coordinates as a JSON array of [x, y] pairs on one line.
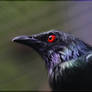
[[72, 75]]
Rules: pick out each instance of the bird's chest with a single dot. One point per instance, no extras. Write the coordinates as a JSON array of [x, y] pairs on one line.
[[55, 78]]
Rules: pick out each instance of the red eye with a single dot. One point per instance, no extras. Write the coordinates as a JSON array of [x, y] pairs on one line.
[[51, 38]]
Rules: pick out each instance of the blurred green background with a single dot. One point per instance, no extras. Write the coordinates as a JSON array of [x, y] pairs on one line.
[[21, 68]]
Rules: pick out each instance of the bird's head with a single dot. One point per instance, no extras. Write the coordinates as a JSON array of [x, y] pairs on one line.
[[54, 46]]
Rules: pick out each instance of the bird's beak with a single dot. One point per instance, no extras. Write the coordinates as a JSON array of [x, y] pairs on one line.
[[24, 40], [29, 41]]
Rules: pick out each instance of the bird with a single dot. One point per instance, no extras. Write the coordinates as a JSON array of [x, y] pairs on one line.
[[68, 59]]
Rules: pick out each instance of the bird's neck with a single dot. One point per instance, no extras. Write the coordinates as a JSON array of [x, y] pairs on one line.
[[71, 52], [67, 53]]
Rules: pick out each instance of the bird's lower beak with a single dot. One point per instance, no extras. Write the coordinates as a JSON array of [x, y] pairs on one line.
[[29, 41]]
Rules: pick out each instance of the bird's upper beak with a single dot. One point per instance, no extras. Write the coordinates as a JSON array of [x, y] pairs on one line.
[[29, 41]]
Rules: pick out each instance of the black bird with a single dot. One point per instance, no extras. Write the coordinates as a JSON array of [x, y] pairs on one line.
[[68, 59]]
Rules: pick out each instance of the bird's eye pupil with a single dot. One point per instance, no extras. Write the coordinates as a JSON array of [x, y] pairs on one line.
[[51, 38]]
